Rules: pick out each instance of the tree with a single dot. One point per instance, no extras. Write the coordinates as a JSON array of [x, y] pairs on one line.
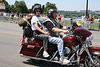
[[7, 6], [43, 9], [20, 7], [12, 9], [50, 6], [30, 10]]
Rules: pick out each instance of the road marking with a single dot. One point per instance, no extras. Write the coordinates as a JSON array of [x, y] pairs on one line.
[[10, 33]]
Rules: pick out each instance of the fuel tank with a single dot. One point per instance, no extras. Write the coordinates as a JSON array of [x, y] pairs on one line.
[[70, 40]]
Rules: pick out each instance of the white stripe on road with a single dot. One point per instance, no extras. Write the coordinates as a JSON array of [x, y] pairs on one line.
[[10, 33]]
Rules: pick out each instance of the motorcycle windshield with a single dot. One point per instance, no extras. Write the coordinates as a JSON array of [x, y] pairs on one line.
[[82, 32]]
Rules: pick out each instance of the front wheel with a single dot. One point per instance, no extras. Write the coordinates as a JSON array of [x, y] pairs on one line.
[[88, 63]]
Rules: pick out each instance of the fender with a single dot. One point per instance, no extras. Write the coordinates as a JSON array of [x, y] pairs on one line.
[[93, 50]]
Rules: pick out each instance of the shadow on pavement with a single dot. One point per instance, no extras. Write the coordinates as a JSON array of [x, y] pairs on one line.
[[45, 64]]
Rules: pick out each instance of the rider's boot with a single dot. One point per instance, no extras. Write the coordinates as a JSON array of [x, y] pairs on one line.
[[45, 54], [64, 61]]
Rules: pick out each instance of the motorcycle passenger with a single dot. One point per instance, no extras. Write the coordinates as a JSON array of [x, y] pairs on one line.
[[54, 28], [37, 27]]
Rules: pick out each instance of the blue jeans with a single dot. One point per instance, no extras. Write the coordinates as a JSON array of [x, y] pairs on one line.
[[99, 25], [59, 42], [89, 25]]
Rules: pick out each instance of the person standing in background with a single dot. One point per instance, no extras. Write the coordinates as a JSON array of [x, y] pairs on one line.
[[83, 19], [90, 21], [86, 21], [99, 21], [59, 18]]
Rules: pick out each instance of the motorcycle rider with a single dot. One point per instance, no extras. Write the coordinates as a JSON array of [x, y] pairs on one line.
[[37, 27], [54, 28]]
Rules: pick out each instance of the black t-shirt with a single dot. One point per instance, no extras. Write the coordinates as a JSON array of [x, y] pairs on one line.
[[50, 25]]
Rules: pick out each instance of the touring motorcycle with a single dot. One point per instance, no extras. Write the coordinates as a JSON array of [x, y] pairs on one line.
[[77, 49]]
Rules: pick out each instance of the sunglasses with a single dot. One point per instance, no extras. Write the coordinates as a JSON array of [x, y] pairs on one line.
[[38, 11]]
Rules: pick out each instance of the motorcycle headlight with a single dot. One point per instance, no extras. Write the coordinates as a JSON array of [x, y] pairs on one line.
[[89, 38]]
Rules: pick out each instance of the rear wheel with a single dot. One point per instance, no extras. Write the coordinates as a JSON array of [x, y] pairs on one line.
[[88, 62]]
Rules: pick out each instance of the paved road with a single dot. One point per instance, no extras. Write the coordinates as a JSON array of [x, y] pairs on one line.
[[10, 35], [96, 38]]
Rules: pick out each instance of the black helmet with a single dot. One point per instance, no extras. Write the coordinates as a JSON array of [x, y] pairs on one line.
[[50, 12], [37, 7]]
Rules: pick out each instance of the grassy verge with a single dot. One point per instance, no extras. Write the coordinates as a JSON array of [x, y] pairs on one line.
[[64, 22], [9, 19]]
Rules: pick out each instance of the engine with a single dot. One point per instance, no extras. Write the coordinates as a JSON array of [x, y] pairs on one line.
[[67, 50]]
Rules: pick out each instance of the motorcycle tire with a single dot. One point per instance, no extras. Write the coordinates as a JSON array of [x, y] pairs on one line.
[[88, 63]]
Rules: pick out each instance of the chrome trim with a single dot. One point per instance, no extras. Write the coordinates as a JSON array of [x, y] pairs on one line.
[[39, 51], [89, 54], [96, 53], [90, 38], [71, 56], [54, 55]]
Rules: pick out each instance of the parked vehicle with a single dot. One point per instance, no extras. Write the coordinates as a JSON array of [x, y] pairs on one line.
[[77, 49]]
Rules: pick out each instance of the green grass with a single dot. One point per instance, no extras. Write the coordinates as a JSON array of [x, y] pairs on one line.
[[9, 19], [67, 22], [95, 25], [64, 22]]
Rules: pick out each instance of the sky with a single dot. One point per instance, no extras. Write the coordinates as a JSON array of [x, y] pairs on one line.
[[69, 5]]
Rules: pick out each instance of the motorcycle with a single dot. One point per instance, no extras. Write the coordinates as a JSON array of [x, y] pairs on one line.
[[77, 49]]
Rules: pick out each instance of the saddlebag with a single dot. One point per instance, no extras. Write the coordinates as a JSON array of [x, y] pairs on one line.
[[31, 48]]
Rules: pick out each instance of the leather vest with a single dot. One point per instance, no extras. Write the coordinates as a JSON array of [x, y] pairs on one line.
[[56, 25]]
